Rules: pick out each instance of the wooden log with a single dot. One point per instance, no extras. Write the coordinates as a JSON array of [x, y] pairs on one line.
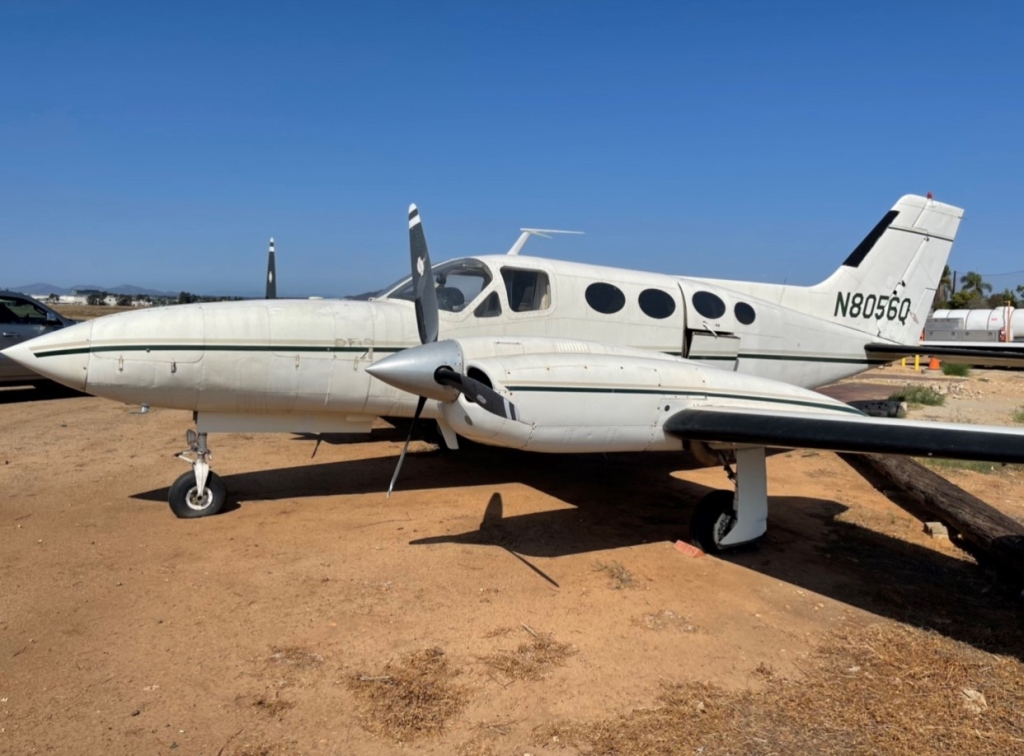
[[993, 538]]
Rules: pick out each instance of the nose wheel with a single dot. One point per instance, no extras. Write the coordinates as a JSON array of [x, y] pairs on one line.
[[200, 492]]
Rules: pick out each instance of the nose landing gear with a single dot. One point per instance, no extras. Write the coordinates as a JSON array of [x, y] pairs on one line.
[[201, 492]]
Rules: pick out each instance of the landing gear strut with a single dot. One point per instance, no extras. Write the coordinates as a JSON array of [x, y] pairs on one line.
[[201, 492], [725, 519]]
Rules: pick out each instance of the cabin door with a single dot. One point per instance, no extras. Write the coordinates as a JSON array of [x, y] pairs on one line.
[[708, 329]]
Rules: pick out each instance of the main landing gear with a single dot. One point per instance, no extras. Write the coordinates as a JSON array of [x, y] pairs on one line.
[[201, 492], [725, 519]]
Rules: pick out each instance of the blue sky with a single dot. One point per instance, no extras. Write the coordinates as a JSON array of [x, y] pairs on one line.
[[161, 144]]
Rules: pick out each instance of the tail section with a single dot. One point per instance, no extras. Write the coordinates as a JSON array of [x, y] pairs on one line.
[[885, 287], [271, 273]]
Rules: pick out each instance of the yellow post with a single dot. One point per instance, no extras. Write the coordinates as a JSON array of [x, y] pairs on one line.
[[917, 363], [903, 362]]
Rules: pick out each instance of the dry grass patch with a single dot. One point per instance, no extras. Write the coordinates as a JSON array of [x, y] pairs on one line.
[[272, 705], [259, 748], [292, 666], [412, 698], [294, 656], [666, 619], [620, 576], [483, 742], [531, 660], [884, 689]]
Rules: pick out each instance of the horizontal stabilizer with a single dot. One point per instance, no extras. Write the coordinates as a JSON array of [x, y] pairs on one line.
[[848, 433], [992, 354]]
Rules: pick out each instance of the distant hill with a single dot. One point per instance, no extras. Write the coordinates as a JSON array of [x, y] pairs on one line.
[[40, 288], [44, 289]]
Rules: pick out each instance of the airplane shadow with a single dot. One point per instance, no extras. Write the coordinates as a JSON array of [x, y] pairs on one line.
[[43, 392], [618, 501], [593, 482], [344, 439], [855, 565]]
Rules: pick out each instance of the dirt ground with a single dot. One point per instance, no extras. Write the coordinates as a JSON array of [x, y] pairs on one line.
[[498, 603]]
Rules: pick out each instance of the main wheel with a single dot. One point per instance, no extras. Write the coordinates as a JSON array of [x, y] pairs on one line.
[[186, 501], [712, 521]]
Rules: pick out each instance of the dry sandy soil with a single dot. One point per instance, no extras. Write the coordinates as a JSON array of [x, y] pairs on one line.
[[497, 604]]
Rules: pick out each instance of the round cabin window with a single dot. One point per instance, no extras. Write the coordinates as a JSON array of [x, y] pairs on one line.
[[744, 313], [605, 298], [709, 305], [657, 303]]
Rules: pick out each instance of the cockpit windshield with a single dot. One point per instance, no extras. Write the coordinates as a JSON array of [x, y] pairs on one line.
[[457, 283]]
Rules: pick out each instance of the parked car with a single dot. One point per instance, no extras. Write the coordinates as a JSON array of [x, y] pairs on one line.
[[22, 318]]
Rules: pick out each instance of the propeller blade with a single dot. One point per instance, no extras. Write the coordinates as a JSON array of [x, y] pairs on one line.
[[401, 458], [478, 392], [271, 273], [425, 297]]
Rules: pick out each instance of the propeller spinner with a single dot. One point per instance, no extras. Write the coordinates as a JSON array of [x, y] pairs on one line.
[[434, 369]]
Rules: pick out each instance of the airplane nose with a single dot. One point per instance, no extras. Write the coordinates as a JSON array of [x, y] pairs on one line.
[[61, 356]]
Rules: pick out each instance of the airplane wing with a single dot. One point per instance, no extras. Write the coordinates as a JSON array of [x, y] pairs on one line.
[[847, 433], [994, 354]]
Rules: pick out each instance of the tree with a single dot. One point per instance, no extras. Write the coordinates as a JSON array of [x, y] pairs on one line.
[[973, 282], [124, 300], [998, 300], [187, 298], [972, 294], [96, 299], [967, 300], [944, 289]]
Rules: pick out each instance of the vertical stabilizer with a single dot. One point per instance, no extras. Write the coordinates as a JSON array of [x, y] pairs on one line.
[[886, 285]]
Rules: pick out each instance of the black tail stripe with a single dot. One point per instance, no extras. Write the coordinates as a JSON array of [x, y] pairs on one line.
[[857, 256]]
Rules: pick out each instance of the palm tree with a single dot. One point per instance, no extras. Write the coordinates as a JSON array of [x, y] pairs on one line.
[[972, 282]]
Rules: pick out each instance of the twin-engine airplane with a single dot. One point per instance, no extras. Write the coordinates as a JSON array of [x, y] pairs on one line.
[[549, 356]]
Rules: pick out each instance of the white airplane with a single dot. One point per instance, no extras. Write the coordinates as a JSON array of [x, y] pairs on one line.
[[549, 356]]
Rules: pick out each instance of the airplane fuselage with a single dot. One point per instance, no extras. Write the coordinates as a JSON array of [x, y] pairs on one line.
[[299, 365]]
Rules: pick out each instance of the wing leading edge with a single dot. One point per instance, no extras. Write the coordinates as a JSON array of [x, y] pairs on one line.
[[848, 433]]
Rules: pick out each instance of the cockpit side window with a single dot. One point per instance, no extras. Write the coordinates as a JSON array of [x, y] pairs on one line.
[[527, 290], [490, 307], [457, 283]]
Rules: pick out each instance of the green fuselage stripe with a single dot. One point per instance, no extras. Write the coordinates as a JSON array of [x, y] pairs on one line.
[[221, 348], [310, 349]]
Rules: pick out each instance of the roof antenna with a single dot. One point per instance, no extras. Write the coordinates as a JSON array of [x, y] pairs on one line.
[[528, 232]]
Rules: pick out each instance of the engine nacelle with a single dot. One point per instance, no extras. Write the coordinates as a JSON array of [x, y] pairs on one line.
[[574, 397]]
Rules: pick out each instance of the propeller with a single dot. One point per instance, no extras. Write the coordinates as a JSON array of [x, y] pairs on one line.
[[271, 273], [433, 369], [425, 302], [424, 294]]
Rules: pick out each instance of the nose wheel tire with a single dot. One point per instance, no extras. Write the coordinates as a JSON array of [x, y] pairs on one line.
[[187, 502], [712, 520]]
